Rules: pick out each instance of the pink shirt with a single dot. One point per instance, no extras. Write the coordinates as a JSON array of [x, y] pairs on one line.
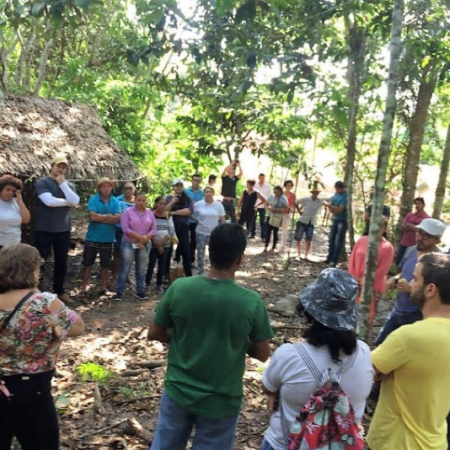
[[409, 237], [357, 262], [143, 224]]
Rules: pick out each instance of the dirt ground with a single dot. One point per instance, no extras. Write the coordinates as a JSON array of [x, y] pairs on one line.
[[109, 381]]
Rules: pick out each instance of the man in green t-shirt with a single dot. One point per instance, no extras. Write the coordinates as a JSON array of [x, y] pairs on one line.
[[211, 324]]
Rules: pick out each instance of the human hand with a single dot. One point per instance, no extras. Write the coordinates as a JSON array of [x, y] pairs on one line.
[[18, 195], [160, 249], [403, 286], [273, 400], [60, 178], [174, 200]]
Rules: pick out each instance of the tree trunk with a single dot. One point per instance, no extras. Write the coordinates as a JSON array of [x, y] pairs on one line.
[[440, 189], [383, 159], [356, 46], [417, 130], [43, 66]]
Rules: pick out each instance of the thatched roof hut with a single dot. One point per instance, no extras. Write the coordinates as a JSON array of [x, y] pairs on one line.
[[34, 130]]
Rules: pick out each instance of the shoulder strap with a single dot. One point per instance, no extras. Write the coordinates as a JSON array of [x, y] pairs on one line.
[[14, 311]]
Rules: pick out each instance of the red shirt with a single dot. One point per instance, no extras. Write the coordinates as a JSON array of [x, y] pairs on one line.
[[409, 237]]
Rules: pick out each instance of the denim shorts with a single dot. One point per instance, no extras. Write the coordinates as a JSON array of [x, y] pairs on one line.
[[91, 249], [303, 228]]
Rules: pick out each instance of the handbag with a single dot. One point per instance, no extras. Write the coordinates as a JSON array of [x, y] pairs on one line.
[[276, 219]]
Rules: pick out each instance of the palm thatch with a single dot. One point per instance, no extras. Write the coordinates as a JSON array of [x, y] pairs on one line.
[[33, 131]]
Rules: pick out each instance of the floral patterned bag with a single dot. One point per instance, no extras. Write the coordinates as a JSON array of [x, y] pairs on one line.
[[328, 419]]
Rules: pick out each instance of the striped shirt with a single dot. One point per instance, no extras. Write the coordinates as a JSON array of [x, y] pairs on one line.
[[164, 227]]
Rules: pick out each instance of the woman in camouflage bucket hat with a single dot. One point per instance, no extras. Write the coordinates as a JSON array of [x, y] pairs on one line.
[[329, 306], [331, 299]]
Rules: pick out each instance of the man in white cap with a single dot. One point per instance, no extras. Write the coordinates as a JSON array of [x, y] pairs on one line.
[[104, 212], [405, 311], [55, 196]]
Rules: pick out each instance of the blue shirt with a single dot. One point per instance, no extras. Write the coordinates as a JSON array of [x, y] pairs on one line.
[[98, 231], [403, 303], [124, 205], [338, 200], [195, 196]]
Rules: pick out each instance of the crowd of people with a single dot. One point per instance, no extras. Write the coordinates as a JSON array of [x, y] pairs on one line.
[[212, 323]]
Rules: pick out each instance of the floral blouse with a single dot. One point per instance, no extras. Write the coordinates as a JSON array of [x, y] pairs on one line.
[[31, 341]]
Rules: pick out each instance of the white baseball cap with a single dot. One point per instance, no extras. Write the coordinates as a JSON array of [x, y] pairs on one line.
[[177, 181], [433, 227]]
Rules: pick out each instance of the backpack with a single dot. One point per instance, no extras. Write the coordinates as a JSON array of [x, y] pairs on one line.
[[327, 421]]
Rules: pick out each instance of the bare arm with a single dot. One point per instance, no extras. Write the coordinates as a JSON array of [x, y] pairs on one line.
[[222, 219], [258, 350], [157, 333], [77, 328], [240, 172], [181, 212], [104, 218], [225, 171], [24, 213], [241, 198], [260, 197]]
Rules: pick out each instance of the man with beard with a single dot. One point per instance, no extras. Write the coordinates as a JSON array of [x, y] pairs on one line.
[[428, 236], [414, 363]]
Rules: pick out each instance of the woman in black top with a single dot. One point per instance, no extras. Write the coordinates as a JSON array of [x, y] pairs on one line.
[[246, 206]]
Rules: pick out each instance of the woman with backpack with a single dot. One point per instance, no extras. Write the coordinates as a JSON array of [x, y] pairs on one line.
[[330, 350], [32, 326]]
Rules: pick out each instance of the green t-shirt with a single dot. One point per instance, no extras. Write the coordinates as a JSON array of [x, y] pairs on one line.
[[212, 321]]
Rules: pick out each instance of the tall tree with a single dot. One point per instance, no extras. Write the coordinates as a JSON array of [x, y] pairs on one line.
[[443, 174], [383, 159]]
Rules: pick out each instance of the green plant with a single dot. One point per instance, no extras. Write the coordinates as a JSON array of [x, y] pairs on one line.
[[94, 372]]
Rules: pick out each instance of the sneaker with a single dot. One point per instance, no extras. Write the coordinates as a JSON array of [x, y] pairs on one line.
[[194, 266], [141, 296], [65, 298], [332, 265], [159, 289], [251, 236], [118, 298]]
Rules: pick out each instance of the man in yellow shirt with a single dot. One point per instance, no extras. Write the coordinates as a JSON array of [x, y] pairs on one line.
[[414, 364]]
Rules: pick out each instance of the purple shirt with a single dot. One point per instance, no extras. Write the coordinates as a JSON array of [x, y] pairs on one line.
[[143, 224], [409, 237]]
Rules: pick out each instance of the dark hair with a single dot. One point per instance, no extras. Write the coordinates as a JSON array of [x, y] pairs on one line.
[[226, 244], [339, 185], [251, 182], [319, 335], [278, 188], [196, 175], [420, 199], [212, 177], [287, 182], [261, 175], [140, 193], [436, 270], [19, 267], [9, 180]]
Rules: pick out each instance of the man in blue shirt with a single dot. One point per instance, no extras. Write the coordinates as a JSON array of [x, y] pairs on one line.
[[195, 193], [104, 213], [338, 207]]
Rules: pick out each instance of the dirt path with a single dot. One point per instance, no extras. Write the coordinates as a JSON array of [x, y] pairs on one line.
[[100, 380]]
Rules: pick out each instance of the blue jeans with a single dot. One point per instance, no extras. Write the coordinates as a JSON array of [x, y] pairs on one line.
[[306, 229], [262, 223], [128, 255], [336, 240], [202, 242], [162, 259], [265, 446], [175, 425]]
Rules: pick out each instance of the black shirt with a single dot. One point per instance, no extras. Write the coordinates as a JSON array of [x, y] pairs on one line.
[[386, 213], [229, 186]]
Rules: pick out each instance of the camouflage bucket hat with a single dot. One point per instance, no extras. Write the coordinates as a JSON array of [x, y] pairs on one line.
[[331, 299]]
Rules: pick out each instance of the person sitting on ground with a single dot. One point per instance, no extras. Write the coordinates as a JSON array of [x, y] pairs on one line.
[[209, 213], [414, 364], [165, 231], [329, 306], [104, 212], [32, 326], [13, 212], [211, 323], [246, 206], [229, 182], [357, 266], [277, 205], [287, 192], [126, 201], [409, 225], [180, 207], [139, 229], [308, 208], [54, 198]]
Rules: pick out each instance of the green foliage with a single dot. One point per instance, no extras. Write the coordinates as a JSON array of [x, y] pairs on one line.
[[94, 372]]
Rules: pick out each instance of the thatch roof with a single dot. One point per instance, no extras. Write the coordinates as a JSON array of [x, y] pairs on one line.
[[35, 130]]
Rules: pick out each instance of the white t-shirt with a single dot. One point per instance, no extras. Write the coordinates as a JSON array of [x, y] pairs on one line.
[[288, 373], [208, 215], [10, 221], [265, 190]]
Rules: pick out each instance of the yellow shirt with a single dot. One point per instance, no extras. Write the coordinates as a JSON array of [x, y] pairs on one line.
[[415, 399]]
